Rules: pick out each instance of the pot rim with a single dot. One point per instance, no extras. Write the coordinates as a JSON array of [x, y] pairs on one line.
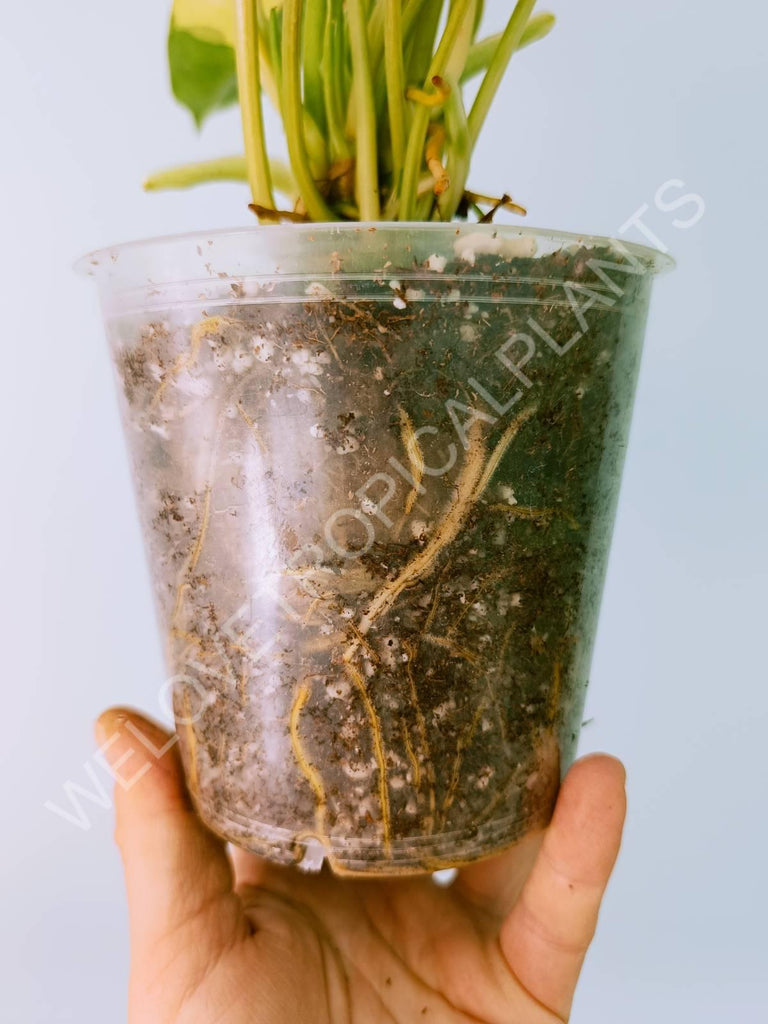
[[659, 262]]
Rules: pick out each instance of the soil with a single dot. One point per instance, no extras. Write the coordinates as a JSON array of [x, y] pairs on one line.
[[397, 686]]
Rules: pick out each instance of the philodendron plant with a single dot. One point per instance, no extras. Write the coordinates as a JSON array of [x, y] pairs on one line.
[[370, 93], [376, 463]]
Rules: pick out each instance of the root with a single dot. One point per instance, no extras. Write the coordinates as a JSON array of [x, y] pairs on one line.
[[483, 584], [308, 770], [314, 604], [360, 639], [266, 213], [435, 604], [499, 797], [542, 515], [203, 530], [429, 99], [493, 698], [553, 704], [502, 202], [221, 748], [473, 480], [449, 645], [190, 638], [464, 742], [445, 534], [210, 325], [193, 559], [378, 750], [433, 159], [189, 729], [329, 342], [501, 447], [225, 659], [252, 427], [411, 753], [505, 645], [421, 724], [415, 457]]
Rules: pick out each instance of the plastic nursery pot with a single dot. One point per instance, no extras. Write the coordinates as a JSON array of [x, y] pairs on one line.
[[377, 468]]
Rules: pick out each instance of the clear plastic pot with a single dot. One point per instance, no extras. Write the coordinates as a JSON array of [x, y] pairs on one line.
[[377, 469]]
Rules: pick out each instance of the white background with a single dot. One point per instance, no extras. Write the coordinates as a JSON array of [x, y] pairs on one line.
[[590, 123]]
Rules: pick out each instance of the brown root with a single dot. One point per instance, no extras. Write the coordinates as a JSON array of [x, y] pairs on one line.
[[307, 768]]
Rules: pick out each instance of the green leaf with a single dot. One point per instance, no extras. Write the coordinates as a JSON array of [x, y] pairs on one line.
[[203, 73]]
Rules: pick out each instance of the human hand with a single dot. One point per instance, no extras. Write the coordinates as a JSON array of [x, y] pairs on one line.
[[220, 940]]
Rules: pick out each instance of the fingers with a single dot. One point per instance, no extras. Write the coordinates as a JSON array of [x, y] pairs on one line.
[[175, 869], [546, 934], [250, 869], [494, 884]]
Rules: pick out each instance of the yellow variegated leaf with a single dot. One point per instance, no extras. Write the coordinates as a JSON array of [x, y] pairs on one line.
[[210, 20]]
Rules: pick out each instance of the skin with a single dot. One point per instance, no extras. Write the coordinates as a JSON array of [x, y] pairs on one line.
[[220, 937]]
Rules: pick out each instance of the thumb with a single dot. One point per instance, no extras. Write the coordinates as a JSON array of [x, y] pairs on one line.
[[546, 935], [177, 873]]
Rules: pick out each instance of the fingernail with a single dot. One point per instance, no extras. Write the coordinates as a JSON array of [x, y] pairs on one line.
[[106, 727]]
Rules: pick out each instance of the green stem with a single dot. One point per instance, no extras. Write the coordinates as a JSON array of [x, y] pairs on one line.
[[409, 13], [416, 137], [423, 44], [459, 152], [479, 57], [314, 28], [395, 73], [366, 163], [269, 37], [269, 59], [457, 57], [332, 78], [376, 29], [249, 91], [509, 42], [224, 168], [316, 207]]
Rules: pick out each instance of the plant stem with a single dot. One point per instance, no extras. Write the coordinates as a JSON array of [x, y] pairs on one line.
[[409, 13], [457, 55], [366, 164], [424, 32], [479, 57], [315, 205], [249, 90], [314, 26], [459, 152], [509, 42], [224, 168], [416, 136], [332, 79], [270, 45], [395, 76]]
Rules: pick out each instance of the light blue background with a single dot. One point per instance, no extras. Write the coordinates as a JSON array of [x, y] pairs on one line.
[[589, 124]]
